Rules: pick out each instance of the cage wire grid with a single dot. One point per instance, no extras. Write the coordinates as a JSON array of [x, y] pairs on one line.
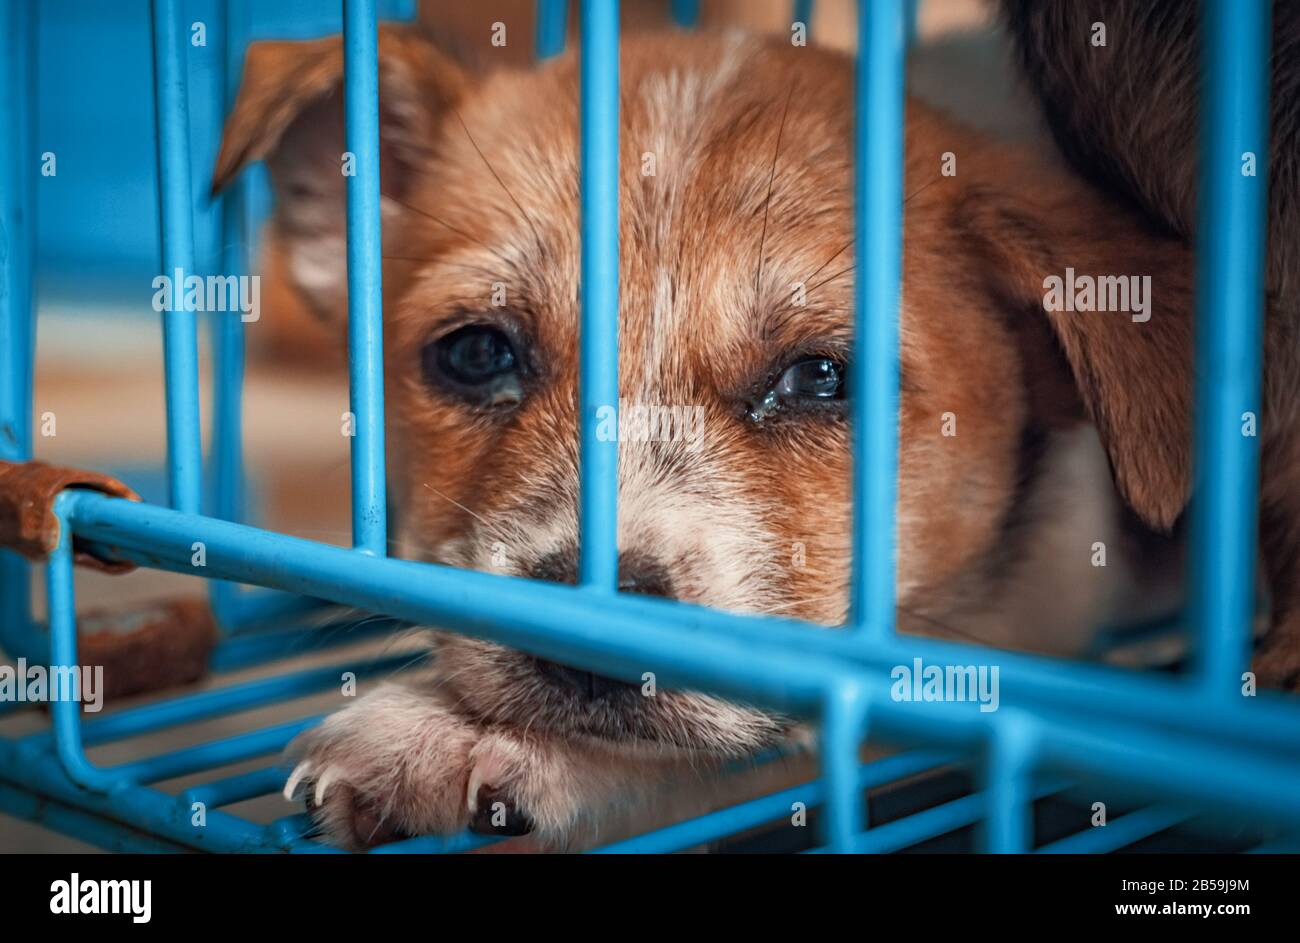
[[1183, 747]]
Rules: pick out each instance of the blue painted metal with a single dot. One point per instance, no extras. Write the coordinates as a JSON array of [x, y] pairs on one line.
[[785, 804], [598, 404], [365, 277], [439, 844], [66, 710], [180, 337], [1229, 337], [1058, 722], [873, 375], [149, 810], [17, 336], [935, 821], [844, 717], [228, 327], [83, 826], [238, 788], [253, 648], [162, 539], [803, 13], [1241, 758], [230, 699], [166, 533], [552, 27], [1123, 831], [474, 600], [98, 233], [1008, 825], [685, 13]]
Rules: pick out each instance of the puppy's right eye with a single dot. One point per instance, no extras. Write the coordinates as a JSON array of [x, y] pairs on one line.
[[477, 362]]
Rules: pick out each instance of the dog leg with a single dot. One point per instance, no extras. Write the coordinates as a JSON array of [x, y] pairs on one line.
[[395, 763]]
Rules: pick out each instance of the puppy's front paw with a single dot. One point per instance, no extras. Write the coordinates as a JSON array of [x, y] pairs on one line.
[[400, 763], [394, 764], [494, 809], [519, 786]]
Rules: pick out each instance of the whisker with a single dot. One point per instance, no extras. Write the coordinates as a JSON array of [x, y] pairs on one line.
[[919, 190], [519, 206], [842, 249], [441, 222], [837, 254], [952, 629], [771, 179], [930, 620], [458, 504], [843, 271], [419, 260]]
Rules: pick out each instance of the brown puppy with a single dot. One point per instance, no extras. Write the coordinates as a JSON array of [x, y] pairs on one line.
[[736, 288], [1126, 114]]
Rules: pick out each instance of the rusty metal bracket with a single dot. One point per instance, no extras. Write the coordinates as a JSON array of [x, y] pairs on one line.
[[149, 647], [28, 523], [145, 648]]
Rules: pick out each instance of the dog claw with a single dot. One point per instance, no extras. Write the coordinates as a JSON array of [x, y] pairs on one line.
[[472, 790], [322, 786], [295, 778]]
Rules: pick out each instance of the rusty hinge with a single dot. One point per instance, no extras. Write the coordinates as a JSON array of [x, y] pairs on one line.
[[27, 521], [146, 648]]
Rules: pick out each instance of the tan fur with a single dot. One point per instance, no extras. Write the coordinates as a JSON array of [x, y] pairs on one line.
[[491, 195]]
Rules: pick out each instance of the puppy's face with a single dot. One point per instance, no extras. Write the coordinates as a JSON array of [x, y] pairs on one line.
[[736, 283]]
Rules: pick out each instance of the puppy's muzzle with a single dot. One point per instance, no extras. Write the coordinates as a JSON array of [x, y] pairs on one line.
[[587, 685], [636, 574]]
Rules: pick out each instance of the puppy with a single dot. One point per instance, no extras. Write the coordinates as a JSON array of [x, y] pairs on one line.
[[1126, 115], [736, 302]]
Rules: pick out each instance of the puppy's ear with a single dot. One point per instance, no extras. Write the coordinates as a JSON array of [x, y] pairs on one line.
[[1132, 369], [289, 112]]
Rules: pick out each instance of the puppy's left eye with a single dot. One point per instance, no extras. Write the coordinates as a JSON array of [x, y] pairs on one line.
[[807, 382]]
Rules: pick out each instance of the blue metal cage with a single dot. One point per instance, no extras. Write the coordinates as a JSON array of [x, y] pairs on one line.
[[1177, 747]]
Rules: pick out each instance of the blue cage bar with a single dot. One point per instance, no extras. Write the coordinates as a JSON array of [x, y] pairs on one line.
[[598, 336], [1232, 233], [180, 328], [17, 325], [365, 274], [1060, 725]]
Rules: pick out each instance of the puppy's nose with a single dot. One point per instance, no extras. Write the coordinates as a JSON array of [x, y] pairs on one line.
[[586, 684], [637, 572]]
